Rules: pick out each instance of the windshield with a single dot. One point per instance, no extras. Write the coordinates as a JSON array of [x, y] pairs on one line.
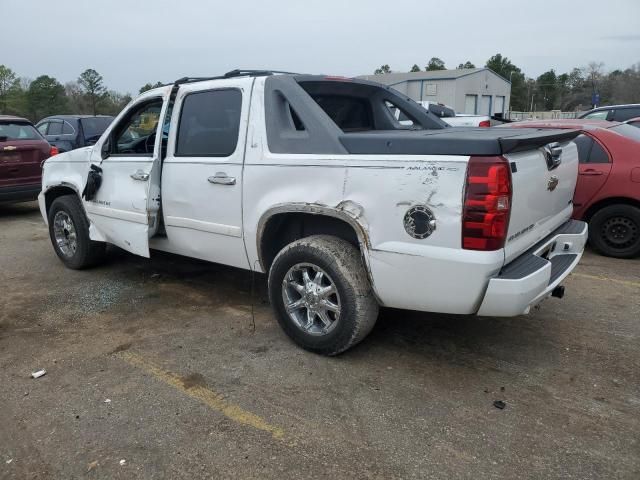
[[95, 126], [18, 131], [628, 131]]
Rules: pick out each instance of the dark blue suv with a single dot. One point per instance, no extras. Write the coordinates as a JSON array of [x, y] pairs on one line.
[[68, 132]]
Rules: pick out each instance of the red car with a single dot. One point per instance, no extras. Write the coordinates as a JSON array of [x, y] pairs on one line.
[[608, 191], [22, 151]]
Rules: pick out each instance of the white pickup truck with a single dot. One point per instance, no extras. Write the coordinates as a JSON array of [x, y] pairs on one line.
[[449, 116], [313, 181]]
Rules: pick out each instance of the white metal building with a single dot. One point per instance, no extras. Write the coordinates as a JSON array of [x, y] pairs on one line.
[[475, 90]]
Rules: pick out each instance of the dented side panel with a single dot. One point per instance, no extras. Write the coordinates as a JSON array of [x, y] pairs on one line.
[[374, 193]]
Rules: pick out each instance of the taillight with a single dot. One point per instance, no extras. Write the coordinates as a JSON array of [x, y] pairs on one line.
[[485, 123], [487, 204], [53, 151]]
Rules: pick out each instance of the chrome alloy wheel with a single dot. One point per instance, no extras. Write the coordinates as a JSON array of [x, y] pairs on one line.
[[311, 299], [64, 232]]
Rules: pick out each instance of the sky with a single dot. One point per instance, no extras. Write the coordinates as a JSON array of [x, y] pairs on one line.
[[132, 42]]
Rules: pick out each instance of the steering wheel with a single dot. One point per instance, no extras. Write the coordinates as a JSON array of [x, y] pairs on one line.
[[149, 143]]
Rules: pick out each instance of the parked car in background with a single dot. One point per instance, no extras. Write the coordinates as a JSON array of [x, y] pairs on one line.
[[68, 132], [613, 113], [449, 116], [608, 190], [22, 151], [635, 122]]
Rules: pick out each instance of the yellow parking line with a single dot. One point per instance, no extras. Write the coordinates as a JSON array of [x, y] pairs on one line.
[[205, 395], [607, 279]]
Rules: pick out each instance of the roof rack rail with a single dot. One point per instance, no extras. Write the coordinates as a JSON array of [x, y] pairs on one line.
[[232, 74]]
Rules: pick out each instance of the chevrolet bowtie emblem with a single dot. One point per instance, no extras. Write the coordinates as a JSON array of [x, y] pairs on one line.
[[552, 183], [10, 147]]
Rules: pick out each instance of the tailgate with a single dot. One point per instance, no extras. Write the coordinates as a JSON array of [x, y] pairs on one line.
[[542, 195]]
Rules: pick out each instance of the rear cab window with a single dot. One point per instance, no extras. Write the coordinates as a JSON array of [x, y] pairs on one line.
[[11, 131], [363, 107], [209, 123]]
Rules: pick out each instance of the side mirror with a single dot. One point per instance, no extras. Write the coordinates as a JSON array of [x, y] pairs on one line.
[[106, 148]]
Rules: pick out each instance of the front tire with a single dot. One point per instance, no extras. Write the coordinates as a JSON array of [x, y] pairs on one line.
[[69, 233], [321, 294], [614, 231]]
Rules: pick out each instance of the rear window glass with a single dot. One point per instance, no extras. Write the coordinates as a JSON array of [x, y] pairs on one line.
[[350, 114], [94, 126], [209, 124], [628, 131], [18, 131]]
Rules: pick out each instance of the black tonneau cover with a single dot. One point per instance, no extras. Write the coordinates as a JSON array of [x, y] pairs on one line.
[[453, 141]]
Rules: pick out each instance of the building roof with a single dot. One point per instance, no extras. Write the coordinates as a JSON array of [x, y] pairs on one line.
[[395, 78]]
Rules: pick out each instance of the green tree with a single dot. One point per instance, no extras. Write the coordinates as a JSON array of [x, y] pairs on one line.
[[149, 86], [503, 67], [382, 70], [435, 64], [547, 86], [46, 96], [9, 85], [415, 68], [92, 84], [467, 64]]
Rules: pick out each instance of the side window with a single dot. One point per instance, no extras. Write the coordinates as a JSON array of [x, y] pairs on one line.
[[55, 128], [584, 145], [598, 154], [599, 115], [209, 123], [43, 128], [624, 114], [67, 129], [136, 133]]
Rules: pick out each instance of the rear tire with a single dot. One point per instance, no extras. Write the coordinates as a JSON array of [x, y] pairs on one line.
[[321, 294], [614, 231], [69, 233]]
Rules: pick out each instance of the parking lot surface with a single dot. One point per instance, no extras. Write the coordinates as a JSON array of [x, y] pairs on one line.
[[174, 368]]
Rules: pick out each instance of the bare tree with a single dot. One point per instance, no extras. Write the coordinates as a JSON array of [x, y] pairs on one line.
[[594, 73]]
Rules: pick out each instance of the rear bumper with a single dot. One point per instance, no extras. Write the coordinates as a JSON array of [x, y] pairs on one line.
[[531, 277]]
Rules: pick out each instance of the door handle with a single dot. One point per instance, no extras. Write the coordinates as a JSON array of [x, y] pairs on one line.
[[592, 172], [221, 178], [140, 175]]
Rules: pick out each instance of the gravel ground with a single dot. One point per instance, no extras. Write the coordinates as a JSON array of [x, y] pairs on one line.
[[201, 382]]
